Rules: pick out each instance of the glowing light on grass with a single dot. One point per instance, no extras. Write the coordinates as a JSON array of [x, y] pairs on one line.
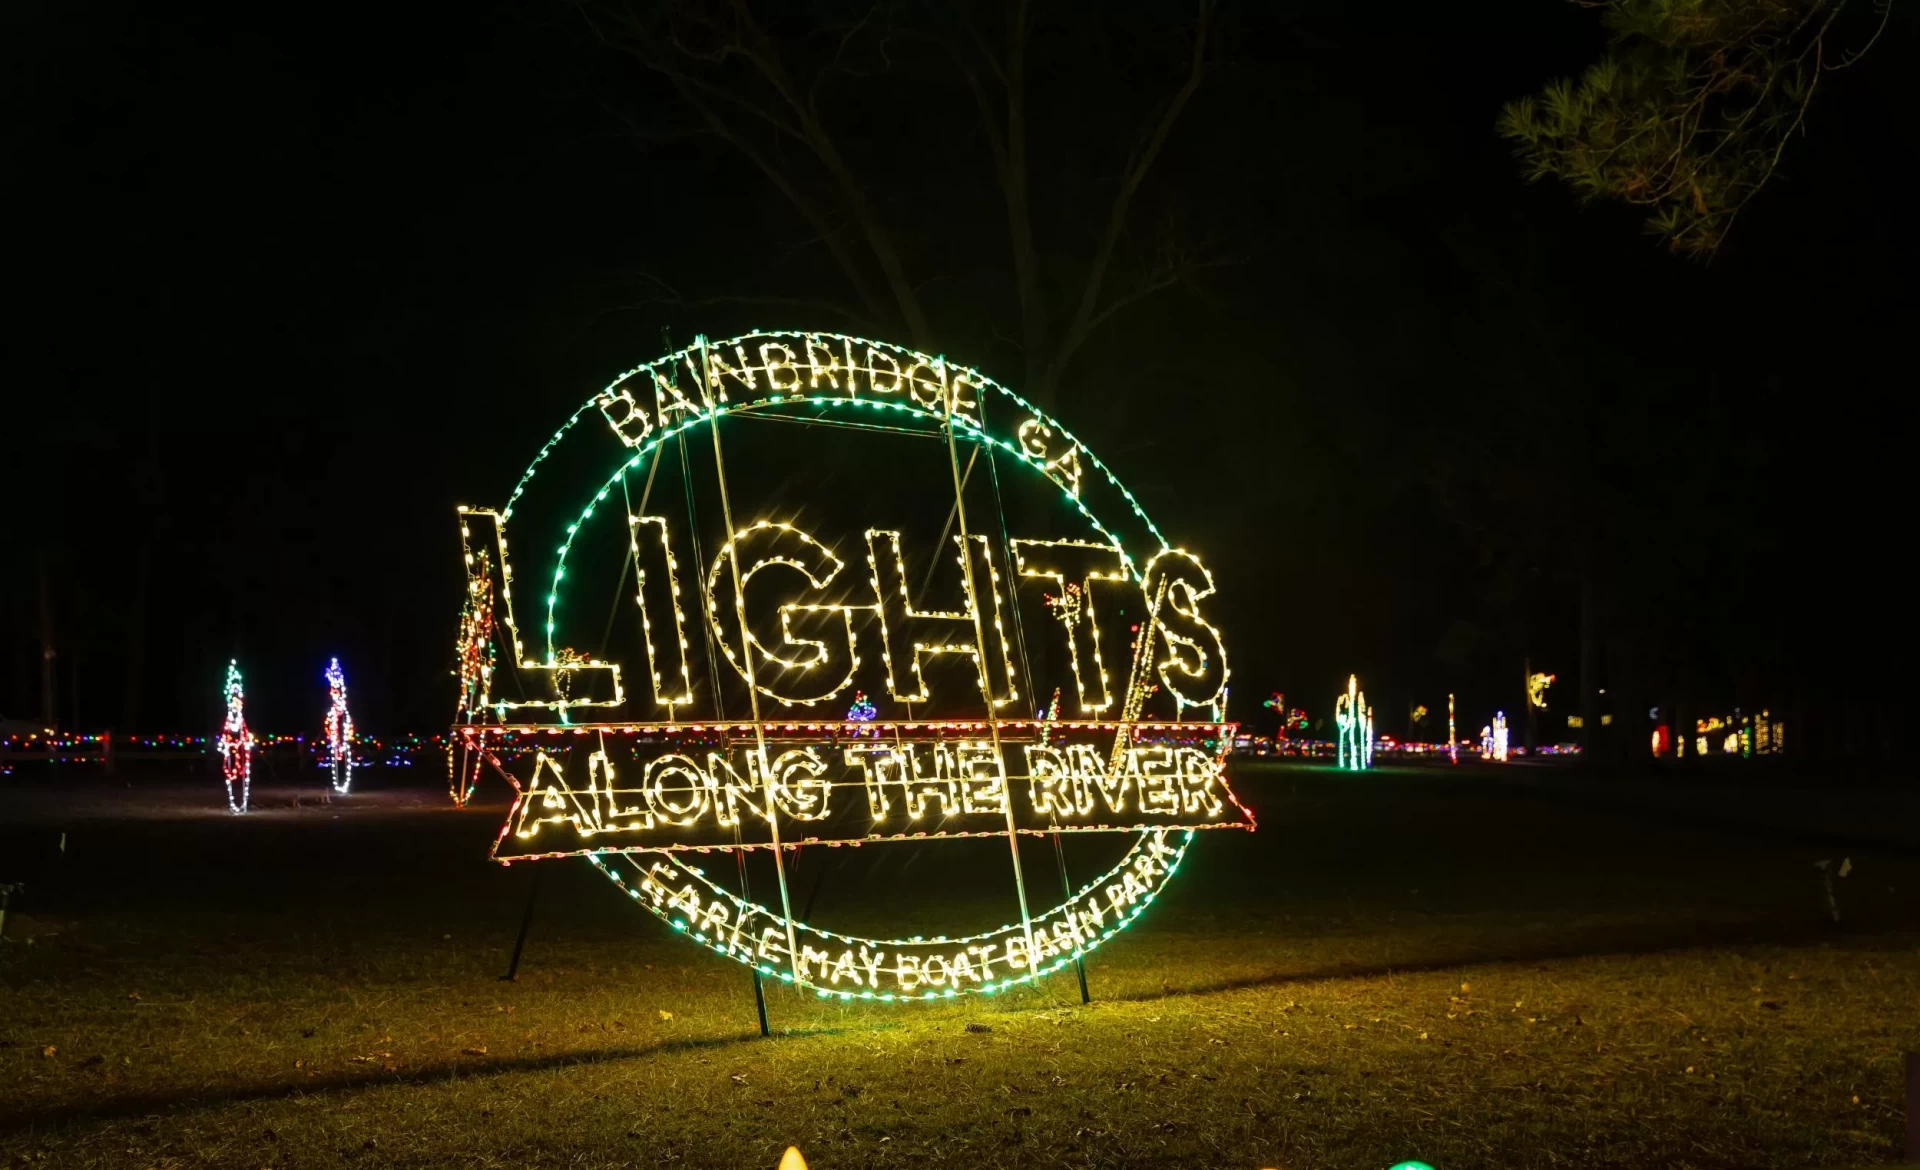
[[787, 612]]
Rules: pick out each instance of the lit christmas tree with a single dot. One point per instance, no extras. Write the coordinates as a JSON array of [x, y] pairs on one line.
[[862, 710]]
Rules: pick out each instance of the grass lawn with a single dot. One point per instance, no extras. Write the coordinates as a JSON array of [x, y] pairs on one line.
[[1445, 965]]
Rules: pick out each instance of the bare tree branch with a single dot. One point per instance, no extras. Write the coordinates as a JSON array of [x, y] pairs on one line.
[[1166, 279], [1136, 173], [1008, 146], [638, 44], [758, 88], [764, 54], [668, 295]]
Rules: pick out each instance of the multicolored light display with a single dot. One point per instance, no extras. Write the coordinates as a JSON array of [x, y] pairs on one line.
[[338, 730], [1355, 721], [640, 782], [1740, 734], [862, 710], [236, 743], [1493, 739]]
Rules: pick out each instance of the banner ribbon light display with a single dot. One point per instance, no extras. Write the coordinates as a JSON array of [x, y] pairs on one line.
[[731, 543]]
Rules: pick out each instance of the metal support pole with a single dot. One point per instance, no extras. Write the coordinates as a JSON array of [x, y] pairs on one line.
[[713, 680], [746, 668], [980, 662], [1079, 963], [759, 993], [526, 922]]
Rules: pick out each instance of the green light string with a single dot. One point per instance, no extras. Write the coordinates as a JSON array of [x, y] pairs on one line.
[[768, 408], [1121, 922]]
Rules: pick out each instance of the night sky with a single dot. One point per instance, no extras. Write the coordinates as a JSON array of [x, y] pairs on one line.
[[287, 286]]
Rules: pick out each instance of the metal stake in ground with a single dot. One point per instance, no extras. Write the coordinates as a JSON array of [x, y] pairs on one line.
[[1079, 965], [746, 668], [526, 921], [6, 895], [713, 680]]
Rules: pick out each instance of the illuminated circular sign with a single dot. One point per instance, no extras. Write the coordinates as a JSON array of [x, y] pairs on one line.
[[729, 544]]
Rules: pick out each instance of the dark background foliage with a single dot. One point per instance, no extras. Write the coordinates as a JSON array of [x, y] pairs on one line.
[[287, 287]]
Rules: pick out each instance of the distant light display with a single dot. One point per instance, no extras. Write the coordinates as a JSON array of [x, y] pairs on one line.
[[1355, 721], [339, 730], [1537, 685], [1493, 739], [236, 743], [1453, 734], [1740, 734]]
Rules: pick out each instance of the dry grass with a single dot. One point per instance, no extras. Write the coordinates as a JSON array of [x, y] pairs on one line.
[[1426, 966]]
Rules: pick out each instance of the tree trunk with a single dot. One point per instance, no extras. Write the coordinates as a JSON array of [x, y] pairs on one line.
[[1526, 693], [1629, 731], [134, 690], [48, 681], [1589, 695]]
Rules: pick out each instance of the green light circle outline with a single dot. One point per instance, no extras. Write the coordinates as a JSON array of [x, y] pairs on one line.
[[974, 432]]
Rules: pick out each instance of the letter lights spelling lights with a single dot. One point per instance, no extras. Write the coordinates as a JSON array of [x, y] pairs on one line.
[[236, 743], [339, 730], [1355, 720], [780, 621]]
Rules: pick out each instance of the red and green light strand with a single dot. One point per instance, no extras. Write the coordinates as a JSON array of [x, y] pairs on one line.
[[339, 730], [236, 743]]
